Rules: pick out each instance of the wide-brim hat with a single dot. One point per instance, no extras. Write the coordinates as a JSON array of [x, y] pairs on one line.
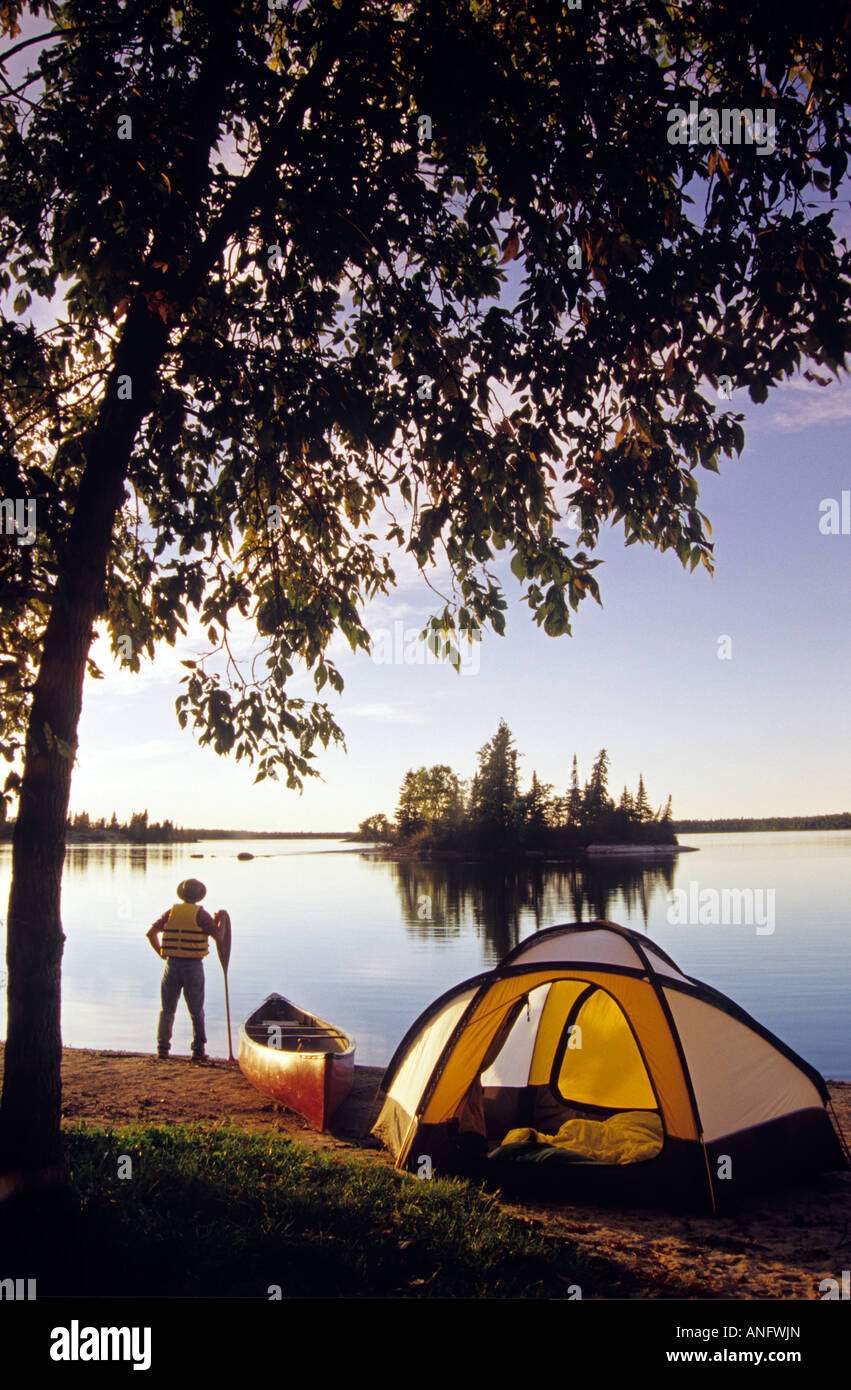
[[191, 890]]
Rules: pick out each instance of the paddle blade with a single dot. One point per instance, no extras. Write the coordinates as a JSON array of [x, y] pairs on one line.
[[223, 946]]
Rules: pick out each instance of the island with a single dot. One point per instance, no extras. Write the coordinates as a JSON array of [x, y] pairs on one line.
[[438, 813]]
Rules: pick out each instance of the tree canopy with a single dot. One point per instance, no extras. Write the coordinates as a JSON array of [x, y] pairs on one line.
[[306, 217], [428, 794]]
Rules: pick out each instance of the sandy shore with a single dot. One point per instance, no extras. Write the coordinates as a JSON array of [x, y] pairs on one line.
[[777, 1246]]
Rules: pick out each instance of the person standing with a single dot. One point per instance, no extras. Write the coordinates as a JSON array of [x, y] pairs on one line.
[[185, 930]]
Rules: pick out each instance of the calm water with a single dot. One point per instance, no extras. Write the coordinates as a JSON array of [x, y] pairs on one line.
[[368, 944]]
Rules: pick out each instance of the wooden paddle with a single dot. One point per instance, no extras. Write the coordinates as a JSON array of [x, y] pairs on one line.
[[223, 947]]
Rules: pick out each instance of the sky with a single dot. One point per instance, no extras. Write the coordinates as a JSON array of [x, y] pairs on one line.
[[753, 725], [728, 693]]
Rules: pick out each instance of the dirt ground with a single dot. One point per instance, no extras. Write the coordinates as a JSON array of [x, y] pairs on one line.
[[777, 1246]]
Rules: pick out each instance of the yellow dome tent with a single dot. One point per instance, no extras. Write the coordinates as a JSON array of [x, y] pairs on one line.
[[587, 1063]]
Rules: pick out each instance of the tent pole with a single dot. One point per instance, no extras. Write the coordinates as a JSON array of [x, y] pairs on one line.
[[403, 1152], [838, 1128], [709, 1176]]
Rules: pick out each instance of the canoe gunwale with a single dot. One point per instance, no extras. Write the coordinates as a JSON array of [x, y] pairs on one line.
[[316, 1023]]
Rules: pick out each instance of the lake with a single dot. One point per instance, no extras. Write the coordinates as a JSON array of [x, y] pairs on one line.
[[368, 943]]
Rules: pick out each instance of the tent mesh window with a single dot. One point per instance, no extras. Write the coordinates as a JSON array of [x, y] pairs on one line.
[[568, 1054]]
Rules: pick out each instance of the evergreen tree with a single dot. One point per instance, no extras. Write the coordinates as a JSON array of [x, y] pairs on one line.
[[641, 807], [574, 797], [137, 831], [494, 796], [408, 817], [596, 799], [538, 807]]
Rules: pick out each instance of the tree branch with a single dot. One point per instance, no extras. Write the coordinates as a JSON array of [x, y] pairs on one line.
[[245, 198]]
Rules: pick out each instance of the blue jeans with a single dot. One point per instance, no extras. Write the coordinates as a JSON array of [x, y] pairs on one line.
[[186, 975]]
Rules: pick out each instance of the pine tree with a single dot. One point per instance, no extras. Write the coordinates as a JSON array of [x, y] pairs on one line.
[[494, 797], [641, 808], [538, 806], [574, 797], [138, 827], [408, 818], [596, 800]]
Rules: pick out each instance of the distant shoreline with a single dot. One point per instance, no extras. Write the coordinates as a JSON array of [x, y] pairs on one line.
[[579, 854], [188, 837], [839, 821], [602, 851]]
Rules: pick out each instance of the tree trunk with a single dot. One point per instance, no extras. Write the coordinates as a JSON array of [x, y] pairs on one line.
[[30, 1109], [30, 1145]]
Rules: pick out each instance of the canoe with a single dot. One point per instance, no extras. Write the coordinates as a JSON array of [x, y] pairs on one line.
[[297, 1059]]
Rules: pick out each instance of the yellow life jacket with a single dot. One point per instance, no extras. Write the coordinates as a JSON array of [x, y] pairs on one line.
[[181, 936]]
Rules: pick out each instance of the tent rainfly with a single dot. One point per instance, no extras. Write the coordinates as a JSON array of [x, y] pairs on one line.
[[587, 1063]]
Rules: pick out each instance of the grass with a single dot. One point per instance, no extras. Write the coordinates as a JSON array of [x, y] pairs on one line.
[[211, 1211]]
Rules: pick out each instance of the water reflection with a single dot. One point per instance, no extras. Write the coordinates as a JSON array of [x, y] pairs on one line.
[[370, 943], [442, 899], [79, 858]]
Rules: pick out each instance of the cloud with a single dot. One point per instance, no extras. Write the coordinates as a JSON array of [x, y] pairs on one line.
[[812, 405]]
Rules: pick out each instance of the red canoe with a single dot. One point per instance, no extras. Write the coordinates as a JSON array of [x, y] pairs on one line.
[[297, 1059]]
